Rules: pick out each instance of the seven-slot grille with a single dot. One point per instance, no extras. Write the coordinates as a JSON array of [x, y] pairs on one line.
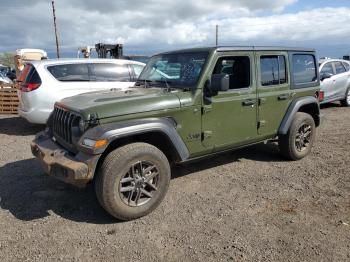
[[62, 122]]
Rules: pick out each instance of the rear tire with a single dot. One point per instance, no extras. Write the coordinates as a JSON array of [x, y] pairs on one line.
[[346, 100], [133, 180], [297, 143]]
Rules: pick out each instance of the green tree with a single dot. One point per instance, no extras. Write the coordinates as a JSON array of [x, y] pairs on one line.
[[7, 59]]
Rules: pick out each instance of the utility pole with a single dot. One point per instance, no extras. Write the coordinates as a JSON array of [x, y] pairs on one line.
[[54, 23], [217, 35]]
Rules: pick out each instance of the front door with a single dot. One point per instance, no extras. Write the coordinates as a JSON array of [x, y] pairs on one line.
[[229, 118]]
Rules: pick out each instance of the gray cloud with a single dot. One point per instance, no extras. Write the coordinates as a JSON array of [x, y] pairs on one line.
[[147, 26]]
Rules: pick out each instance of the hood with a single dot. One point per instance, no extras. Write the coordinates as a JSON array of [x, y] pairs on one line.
[[116, 102]]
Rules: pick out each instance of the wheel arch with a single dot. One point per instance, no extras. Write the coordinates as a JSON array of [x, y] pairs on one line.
[[309, 105], [160, 133]]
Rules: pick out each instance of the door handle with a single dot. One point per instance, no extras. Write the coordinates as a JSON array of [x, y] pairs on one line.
[[283, 97], [249, 102]]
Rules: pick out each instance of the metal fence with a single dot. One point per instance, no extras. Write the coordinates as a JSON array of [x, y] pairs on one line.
[[8, 99]]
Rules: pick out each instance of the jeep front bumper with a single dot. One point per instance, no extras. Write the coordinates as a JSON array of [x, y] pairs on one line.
[[77, 169]]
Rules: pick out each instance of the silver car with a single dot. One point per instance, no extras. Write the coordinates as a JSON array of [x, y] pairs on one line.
[[335, 81], [42, 83]]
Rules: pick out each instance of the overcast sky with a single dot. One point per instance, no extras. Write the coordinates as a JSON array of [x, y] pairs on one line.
[[149, 26]]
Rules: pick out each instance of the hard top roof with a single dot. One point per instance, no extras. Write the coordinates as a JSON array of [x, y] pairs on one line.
[[242, 48]]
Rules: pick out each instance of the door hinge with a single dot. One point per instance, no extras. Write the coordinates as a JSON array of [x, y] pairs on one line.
[[206, 109], [207, 135], [261, 123]]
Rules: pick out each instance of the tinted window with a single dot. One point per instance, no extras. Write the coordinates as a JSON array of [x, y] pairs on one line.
[[304, 69], [137, 69], [347, 66], [273, 70], [238, 68], [111, 72], [70, 72], [327, 69], [339, 68]]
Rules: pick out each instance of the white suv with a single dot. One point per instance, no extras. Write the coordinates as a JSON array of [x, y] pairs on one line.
[[44, 82]]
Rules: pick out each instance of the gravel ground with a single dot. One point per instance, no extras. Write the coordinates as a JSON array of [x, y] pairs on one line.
[[249, 205]]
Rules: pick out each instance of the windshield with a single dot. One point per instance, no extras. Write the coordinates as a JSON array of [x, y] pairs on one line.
[[174, 70]]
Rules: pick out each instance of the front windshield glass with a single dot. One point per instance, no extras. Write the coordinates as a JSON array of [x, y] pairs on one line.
[[178, 70]]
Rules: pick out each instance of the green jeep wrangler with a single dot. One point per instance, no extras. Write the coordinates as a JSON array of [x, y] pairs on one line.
[[186, 105]]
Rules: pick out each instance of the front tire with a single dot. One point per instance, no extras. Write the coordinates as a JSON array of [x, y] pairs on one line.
[[346, 100], [297, 143], [133, 180]]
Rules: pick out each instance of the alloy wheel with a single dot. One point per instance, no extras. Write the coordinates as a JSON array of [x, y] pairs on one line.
[[303, 137], [139, 184]]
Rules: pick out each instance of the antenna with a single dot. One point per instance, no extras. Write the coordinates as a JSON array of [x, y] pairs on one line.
[[217, 35], [54, 23]]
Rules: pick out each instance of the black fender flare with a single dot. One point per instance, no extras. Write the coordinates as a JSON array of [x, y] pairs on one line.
[[115, 131], [293, 108]]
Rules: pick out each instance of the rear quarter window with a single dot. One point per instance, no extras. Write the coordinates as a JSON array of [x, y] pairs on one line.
[[347, 66], [304, 69], [70, 72]]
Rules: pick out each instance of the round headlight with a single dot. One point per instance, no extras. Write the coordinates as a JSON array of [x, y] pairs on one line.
[[82, 125]]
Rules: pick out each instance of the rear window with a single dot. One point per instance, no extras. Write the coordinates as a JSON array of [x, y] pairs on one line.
[[304, 69], [70, 72], [273, 70], [111, 72]]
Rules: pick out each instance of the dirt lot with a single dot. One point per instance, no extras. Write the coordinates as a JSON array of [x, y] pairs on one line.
[[248, 205]]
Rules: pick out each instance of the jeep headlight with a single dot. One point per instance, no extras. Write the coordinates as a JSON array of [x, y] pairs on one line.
[[95, 144]]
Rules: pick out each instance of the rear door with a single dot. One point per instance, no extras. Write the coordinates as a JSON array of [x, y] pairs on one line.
[[327, 85], [274, 94], [110, 75], [340, 80]]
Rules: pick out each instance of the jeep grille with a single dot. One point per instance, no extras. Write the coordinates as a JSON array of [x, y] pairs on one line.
[[62, 123]]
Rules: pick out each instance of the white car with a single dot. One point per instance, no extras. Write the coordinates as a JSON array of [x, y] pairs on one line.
[[335, 81], [44, 82]]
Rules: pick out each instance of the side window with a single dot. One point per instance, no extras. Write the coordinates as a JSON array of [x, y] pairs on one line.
[[282, 69], [339, 68], [347, 66], [137, 69], [327, 69], [304, 68], [70, 72], [273, 70], [109, 72], [237, 67]]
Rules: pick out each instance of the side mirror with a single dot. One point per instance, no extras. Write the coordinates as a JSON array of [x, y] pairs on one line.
[[325, 76], [219, 82]]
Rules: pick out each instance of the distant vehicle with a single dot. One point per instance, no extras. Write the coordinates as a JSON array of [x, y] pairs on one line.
[[335, 81], [4, 79], [25, 55], [42, 83], [11, 74]]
